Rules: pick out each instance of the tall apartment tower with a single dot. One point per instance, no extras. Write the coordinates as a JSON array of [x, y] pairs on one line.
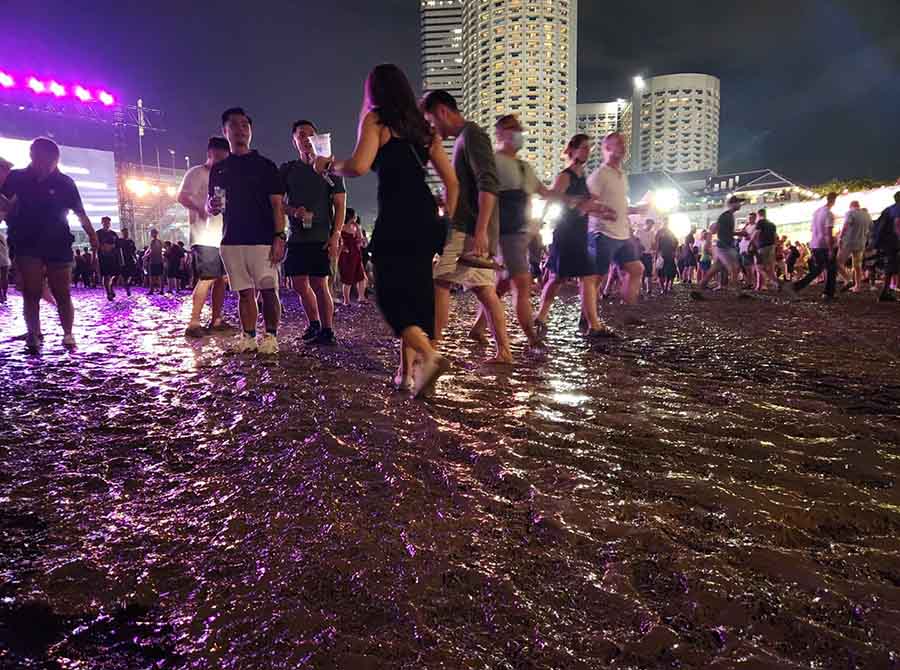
[[519, 57], [441, 48], [675, 124], [441, 41], [597, 120]]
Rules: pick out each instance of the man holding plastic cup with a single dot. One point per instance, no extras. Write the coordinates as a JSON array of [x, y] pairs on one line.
[[316, 207], [248, 191]]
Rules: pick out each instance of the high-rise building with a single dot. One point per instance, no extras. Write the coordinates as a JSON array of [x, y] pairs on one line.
[[441, 42], [441, 27], [675, 124], [597, 120], [520, 58]]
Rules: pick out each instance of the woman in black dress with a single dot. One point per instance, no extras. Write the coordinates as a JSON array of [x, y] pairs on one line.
[[568, 253], [396, 141]]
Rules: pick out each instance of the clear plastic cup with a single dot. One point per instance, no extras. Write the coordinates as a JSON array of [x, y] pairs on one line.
[[321, 144]]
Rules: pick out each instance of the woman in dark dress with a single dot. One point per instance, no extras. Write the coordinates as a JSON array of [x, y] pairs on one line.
[[396, 141], [568, 253]]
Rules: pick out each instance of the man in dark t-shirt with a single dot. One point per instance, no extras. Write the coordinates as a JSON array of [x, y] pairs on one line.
[[764, 239], [316, 211], [174, 259], [724, 254], [108, 255], [127, 251], [36, 202], [248, 191]]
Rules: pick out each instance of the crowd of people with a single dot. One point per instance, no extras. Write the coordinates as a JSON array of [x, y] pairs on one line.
[[257, 227]]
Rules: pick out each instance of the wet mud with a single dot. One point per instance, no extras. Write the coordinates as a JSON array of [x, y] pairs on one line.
[[717, 490]]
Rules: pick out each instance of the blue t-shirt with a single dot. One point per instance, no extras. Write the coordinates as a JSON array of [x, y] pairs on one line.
[[249, 181]]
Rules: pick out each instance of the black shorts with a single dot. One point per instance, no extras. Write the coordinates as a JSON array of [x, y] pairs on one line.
[[109, 266], [605, 251], [156, 269], [207, 262], [647, 260], [307, 259], [50, 253]]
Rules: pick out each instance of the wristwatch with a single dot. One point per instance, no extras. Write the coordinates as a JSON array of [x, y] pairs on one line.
[[282, 235]]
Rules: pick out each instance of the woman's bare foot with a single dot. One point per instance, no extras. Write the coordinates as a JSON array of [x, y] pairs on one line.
[[500, 359], [477, 335]]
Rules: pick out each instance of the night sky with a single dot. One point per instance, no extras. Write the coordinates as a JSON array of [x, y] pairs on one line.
[[810, 88]]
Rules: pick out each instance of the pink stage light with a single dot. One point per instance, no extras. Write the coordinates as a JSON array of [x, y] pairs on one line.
[[57, 89], [37, 85], [6, 81], [105, 98], [83, 94]]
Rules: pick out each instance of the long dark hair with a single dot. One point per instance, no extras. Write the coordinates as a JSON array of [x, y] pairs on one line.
[[575, 144], [389, 94]]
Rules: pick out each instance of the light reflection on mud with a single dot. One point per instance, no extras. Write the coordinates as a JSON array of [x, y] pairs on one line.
[[717, 490]]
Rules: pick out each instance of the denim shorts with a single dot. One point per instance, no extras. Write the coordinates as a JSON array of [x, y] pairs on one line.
[[604, 251]]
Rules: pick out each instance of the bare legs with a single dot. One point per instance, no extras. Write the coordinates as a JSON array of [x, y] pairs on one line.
[[521, 288], [307, 297], [201, 292], [250, 314], [325, 301], [59, 277], [493, 309]]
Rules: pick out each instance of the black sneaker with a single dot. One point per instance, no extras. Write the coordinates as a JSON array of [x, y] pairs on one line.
[[887, 297], [326, 337], [603, 334], [312, 332], [697, 295]]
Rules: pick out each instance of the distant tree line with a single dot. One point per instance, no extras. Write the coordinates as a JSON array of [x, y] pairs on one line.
[[852, 185]]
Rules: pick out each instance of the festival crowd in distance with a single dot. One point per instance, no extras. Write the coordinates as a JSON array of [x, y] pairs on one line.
[[257, 228]]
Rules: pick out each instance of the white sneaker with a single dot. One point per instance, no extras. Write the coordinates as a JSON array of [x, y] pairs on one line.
[[69, 341], [244, 344], [269, 345]]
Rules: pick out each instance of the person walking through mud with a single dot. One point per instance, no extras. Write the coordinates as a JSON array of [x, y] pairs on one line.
[[35, 202], [396, 142]]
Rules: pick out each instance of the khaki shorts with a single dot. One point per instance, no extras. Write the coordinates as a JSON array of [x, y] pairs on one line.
[[855, 256], [728, 258], [449, 271], [765, 256], [514, 253], [248, 266]]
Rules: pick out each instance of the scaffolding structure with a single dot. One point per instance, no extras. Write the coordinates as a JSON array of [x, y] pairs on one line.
[[120, 118]]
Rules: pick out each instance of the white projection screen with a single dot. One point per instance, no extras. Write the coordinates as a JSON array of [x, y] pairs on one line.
[[94, 173]]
